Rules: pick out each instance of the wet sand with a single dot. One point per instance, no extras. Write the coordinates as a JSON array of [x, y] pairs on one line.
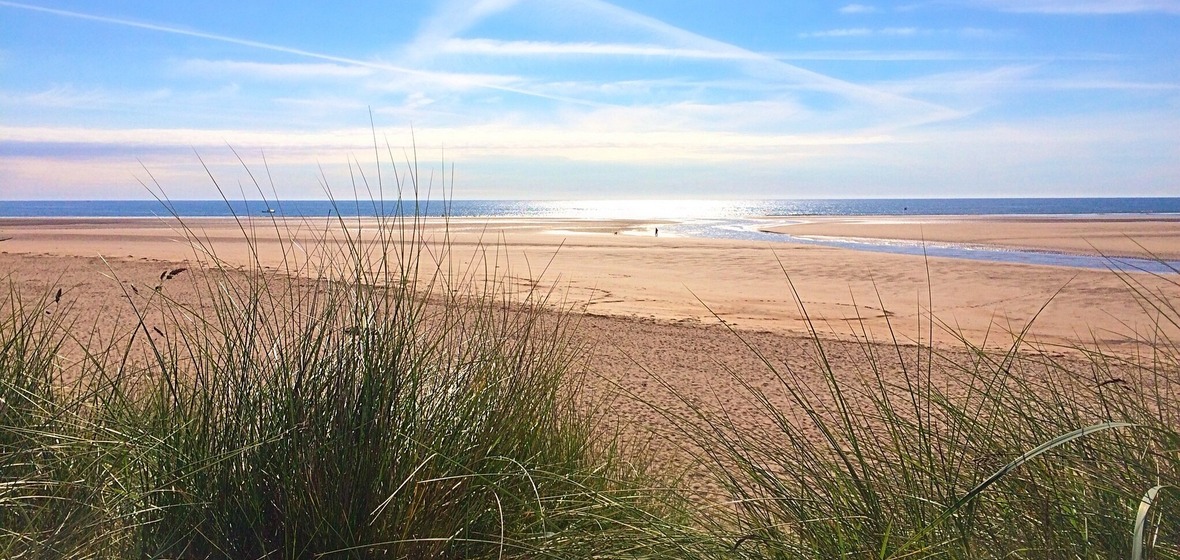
[[1156, 236]]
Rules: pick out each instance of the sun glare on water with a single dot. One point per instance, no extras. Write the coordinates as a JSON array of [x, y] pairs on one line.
[[651, 209]]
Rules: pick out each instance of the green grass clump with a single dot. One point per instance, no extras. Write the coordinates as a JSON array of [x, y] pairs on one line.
[[970, 454], [62, 491], [362, 403], [35, 475]]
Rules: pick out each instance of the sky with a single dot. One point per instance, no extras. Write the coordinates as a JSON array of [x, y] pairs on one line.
[[588, 99]]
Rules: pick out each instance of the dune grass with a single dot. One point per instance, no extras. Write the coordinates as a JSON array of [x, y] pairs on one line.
[[365, 400], [265, 432], [1017, 454], [360, 402]]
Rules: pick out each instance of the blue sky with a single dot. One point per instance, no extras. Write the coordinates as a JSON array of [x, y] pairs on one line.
[[558, 99]]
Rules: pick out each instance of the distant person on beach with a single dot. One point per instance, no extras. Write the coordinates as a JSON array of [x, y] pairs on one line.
[[657, 232]]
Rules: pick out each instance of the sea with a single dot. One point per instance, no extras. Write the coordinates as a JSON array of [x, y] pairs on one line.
[[726, 219]]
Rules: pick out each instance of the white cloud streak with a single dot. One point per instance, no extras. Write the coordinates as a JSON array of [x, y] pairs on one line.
[[72, 97], [1016, 78], [935, 55], [442, 78], [967, 32], [202, 67], [613, 135], [492, 47], [967, 84], [883, 105], [544, 48], [1001, 157], [847, 32], [452, 18], [858, 9], [1083, 7]]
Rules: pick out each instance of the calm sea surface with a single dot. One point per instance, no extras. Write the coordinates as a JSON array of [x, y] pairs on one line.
[[602, 209], [727, 219]]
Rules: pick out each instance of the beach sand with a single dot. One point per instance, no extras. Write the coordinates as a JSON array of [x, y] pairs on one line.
[[745, 284], [666, 313]]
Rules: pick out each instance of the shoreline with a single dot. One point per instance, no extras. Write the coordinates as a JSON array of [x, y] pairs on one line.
[[633, 276], [1152, 236], [1143, 236]]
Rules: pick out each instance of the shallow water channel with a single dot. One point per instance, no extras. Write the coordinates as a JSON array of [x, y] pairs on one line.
[[749, 230]]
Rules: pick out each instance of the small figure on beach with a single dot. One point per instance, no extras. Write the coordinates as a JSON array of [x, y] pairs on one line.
[[657, 232]]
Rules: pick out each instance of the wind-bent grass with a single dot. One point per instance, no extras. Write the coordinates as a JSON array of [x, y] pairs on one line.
[[362, 403], [58, 493], [1013, 455], [369, 423]]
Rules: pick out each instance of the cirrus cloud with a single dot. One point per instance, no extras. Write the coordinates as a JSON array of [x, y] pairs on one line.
[[858, 9], [1095, 7]]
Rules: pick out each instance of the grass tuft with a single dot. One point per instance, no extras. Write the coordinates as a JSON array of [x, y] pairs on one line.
[[924, 453], [362, 402]]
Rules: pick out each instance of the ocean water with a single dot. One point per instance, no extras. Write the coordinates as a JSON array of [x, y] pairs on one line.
[[726, 219], [595, 209]]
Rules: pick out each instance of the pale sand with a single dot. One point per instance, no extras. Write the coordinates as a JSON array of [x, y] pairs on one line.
[[654, 306], [702, 281]]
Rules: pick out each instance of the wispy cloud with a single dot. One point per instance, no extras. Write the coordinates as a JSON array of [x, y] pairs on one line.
[[545, 48], [1096, 7], [970, 83], [1016, 78], [1099, 84], [69, 96], [966, 32], [450, 19], [512, 83], [846, 32], [443, 78], [865, 32], [977, 90], [883, 108], [935, 55], [980, 33], [261, 70], [613, 134], [180, 137], [657, 38], [890, 110], [1001, 158], [858, 9]]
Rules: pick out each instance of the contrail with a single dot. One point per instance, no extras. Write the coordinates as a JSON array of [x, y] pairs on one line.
[[435, 76]]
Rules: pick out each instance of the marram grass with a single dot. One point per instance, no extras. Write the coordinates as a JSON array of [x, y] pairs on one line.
[[972, 454], [360, 404]]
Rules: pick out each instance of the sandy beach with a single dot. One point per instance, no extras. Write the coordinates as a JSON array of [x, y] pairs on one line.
[[634, 275], [653, 308]]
